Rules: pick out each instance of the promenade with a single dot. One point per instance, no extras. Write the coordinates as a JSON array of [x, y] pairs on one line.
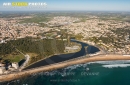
[[51, 67]]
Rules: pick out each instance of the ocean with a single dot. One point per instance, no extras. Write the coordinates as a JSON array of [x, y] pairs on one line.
[[93, 73]]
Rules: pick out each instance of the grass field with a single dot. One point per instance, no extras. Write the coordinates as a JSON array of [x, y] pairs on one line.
[[14, 58]]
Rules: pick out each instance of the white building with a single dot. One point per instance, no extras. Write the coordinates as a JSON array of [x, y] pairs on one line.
[[2, 69], [71, 49], [11, 69], [2, 41], [15, 65]]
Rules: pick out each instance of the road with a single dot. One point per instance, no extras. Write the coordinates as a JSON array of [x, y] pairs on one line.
[[27, 57]]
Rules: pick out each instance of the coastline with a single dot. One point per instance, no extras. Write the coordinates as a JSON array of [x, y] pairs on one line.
[[13, 76], [53, 55], [94, 46]]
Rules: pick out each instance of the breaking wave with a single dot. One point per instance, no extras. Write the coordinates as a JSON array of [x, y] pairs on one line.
[[106, 64], [116, 66], [112, 62]]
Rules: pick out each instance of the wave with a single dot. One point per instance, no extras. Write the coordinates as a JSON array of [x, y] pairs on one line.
[[116, 66], [63, 72], [75, 66], [112, 62], [106, 64]]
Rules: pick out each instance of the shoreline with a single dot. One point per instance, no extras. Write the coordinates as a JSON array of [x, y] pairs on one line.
[[16, 75], [52, 55]]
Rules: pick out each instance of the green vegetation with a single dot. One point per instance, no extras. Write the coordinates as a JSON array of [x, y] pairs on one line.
[[14, 57], [43, 48], [94, 39], [100, 23], [35, 19], [118, 38], [40, 19], [83, 20], [78, 36]]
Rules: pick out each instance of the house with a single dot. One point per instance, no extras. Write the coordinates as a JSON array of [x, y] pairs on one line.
[[15, 65], [2, 69], [2, 65]]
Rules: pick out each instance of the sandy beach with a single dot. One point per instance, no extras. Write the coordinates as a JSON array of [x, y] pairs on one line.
[[17, 75]]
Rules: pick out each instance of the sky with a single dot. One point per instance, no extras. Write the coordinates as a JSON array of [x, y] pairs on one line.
[[81, 5]]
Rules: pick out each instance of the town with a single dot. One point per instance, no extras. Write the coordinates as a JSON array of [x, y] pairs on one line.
[[110, 34]]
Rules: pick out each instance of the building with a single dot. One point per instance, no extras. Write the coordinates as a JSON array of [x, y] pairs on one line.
[[2, 41], [15, 65], [2, 69], [71, 49], [11, 69], [2, 65]]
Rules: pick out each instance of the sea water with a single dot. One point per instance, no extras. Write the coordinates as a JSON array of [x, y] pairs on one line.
[[94, 73]]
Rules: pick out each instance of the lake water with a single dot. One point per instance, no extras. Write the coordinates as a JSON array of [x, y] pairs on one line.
[[63, 57]]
